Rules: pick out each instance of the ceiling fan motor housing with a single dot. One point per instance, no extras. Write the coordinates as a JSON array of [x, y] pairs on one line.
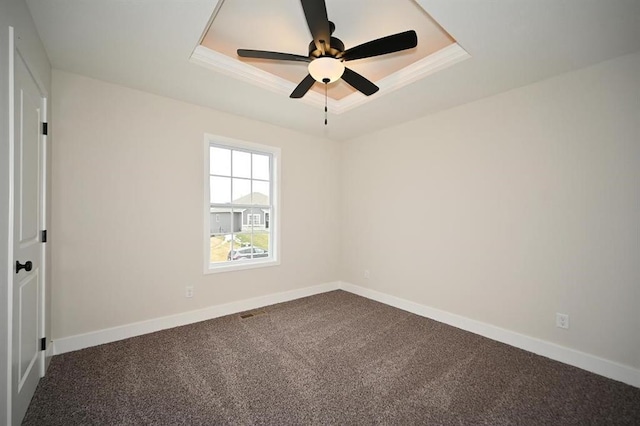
[[337, 46]]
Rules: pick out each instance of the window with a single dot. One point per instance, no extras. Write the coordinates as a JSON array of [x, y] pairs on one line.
[[241, 187], [253, 219]]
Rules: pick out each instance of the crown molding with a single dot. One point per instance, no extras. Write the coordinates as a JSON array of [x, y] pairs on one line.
[[435, 62], [231, 67], [226, 65]]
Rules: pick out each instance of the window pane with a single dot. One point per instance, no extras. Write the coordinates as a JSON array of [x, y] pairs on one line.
[[221, 243], [241, 164], [261, 167], [253, 218], [219, 161], [260, 193], [242, 191], [267, 218], [220, 248], [223, 221], [242, 249], [220, 189], [261, 242]]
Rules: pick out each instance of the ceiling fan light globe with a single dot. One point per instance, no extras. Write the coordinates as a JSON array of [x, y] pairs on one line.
[[326, 68]]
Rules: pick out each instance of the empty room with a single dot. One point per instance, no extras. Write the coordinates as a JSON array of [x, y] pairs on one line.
[[319, 212]]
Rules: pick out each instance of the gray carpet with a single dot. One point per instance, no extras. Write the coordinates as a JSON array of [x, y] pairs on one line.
[[334, 358]]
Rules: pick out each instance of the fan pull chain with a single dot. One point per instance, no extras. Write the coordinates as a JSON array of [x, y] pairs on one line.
[[326, 83]]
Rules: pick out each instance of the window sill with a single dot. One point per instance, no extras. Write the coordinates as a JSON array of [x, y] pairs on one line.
[[239, 266]]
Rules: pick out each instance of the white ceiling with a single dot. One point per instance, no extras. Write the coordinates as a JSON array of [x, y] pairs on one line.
[[146, 44], [276, 26]]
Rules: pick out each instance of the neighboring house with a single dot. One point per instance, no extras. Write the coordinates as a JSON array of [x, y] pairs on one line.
[[221, 222], [244, 216]]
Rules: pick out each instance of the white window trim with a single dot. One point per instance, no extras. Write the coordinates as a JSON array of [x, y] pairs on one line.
[[274, 222]]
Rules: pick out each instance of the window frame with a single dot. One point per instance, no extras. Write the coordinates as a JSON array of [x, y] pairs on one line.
[[274, 225]]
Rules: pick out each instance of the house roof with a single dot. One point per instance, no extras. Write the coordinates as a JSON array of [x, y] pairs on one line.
[[255, 198]]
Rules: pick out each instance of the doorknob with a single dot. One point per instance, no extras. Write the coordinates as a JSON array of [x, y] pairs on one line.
[[27, 266]]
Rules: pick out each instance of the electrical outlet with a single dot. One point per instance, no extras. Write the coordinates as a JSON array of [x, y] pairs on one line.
[[366, 274], [189, 291], [562, 320]]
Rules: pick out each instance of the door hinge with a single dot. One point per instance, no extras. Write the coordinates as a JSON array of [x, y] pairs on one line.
[[43, 236], [45, 129], [43, 344]]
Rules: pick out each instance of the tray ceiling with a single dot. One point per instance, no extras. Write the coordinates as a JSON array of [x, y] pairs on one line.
[[281, 26]]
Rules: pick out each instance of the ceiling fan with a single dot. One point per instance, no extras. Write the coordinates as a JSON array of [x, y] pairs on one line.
[[327, 54]]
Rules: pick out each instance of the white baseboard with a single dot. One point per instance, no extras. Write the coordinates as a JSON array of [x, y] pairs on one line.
[[108, 335], [547, 349], [585, 361]]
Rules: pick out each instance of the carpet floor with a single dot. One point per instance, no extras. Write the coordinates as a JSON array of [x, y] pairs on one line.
[[333, 358]]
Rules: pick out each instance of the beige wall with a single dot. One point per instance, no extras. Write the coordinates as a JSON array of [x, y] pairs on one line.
[[510, 209], [505, 211], [128, 207]]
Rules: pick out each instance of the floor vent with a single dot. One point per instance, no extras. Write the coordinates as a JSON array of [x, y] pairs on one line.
[[252, 314]]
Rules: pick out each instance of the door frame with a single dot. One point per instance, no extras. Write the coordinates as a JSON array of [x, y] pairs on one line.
[[14, 49]]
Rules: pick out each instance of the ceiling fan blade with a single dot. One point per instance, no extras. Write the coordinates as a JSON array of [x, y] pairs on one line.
[[316, 13], [382, 46], [303, 87], [263, 54], [358, 82]]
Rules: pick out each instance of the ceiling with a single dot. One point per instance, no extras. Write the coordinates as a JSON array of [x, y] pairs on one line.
[[148, 45], [277, 26]]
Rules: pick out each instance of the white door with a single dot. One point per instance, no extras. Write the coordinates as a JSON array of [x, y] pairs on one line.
[[28, 279]]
